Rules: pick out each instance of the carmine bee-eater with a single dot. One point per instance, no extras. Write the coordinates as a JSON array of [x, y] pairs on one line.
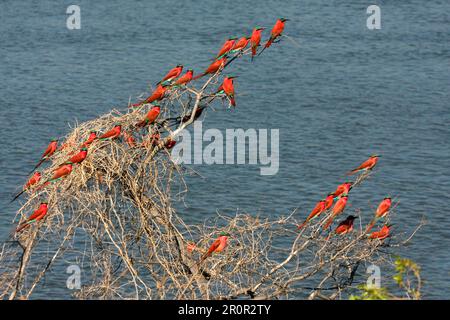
[[240, 45], [329, 201], [172, 74], [277, 30], [213, 68], [79, 157], [150, 117], [157, 95], [111, 134], [255, 40], [382, 211], [381, 234], [61, 172], [318, 209], [345, 226], [185, 79], [343, 189], [37, 215], [217, 246], [367, 165], [35, 178], [227, 46], [228, 89], [338, 208], [90, 139], [51, 148]]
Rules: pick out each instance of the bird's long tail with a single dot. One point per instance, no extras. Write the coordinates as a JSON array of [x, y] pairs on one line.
[[18, 195], [199, 76], [233, 101], [302, 225], [23, 225], [329, 222], [370, 225], [38, 165]]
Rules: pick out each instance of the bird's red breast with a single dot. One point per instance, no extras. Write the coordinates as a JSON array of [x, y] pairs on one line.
[[33, 180], [62, 171], [186, 78], [173, 73], [383, 208], [340, 205]]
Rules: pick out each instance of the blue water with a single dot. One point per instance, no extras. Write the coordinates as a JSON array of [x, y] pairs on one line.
[[343, 93]]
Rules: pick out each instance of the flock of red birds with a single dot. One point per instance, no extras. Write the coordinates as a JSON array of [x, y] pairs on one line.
[[173, 79], [341, 196]]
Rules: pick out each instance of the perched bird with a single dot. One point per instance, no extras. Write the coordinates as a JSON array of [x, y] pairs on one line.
[[318, 209], [338, 208], [227, 46], [35, 178], [172, 74], [382, 211], [61, 172], [79, 157], [51, 148], [217, 246], [228, 88], [276, 31], [345, 226], [111, 134], [185, 79], [213, 68], [157, 95], [90, 139], [151, 116], [329, 201], [381, 234], [343, 189], [367, 165], [37, 215], [240, 45], [255, 40]]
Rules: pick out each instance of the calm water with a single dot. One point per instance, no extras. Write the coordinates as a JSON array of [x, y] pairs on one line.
[[344, 93]]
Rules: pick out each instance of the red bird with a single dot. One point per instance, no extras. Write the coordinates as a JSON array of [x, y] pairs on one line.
[[185, 79], [61, 172], [217, 246], [338, 208], [51, 148], [31, 182], [276, 31], [255, 39], [227, 46], [367, 165], [228, 89], [37, 215], [240, 45], [79, 157], [213, 68], [381, 234], [382, 211], [329, 201], [157, 95], [111, 134], [345, 226], [318, 209], [172, 74], [90, 139], [150, 117], [343, 189]]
